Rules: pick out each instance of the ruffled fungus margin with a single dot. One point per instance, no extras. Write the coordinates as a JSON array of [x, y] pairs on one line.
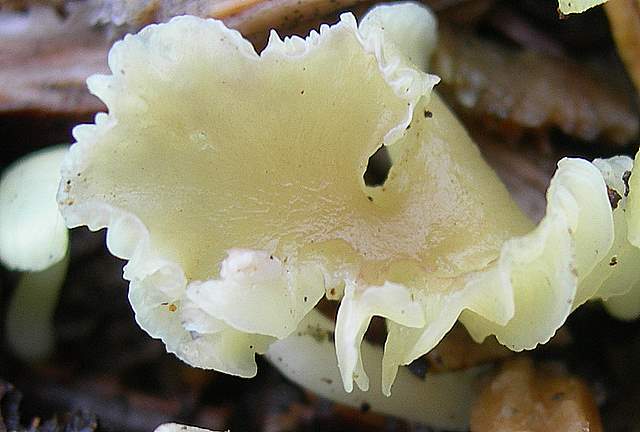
[[213, 156]]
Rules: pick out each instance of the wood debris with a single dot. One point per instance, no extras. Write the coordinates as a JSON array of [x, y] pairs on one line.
[[253, 18], [523, 397], [10, 418], [44, 63], [45, 59]]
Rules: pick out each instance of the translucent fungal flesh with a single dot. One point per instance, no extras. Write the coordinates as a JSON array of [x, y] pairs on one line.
[[233, 182]]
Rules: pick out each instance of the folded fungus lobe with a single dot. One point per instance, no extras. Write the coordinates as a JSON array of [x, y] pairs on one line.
[[233, 183]]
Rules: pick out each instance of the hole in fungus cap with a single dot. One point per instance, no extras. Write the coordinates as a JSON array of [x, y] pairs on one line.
[[378, 168]]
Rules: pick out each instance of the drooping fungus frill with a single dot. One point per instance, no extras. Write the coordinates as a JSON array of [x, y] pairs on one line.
[[233, 183]]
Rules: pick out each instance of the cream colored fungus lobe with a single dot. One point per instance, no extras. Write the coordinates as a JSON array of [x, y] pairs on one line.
[[240, 176], [233, 182]]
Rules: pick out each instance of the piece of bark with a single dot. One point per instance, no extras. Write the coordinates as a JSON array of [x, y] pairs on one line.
[[254, 17], [525, 398], [531, 90]]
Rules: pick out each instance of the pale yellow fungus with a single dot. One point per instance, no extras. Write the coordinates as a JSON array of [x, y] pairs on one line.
[[29, 323], [233, 184], [567, 7], [33, 239], [632, 186], [33, 235]]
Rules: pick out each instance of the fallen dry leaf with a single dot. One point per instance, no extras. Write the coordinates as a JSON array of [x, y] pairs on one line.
[[530, 90]]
